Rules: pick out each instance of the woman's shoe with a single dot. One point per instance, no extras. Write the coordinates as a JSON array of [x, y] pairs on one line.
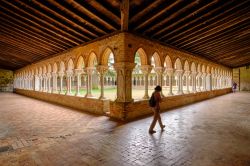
[[152, 132], [163, 126]]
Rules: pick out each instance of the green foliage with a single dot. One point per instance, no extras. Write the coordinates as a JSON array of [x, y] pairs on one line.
[[6, 77]]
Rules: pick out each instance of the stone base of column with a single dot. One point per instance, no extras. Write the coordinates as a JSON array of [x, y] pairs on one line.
[[102, 98], [170, 94], [88, 95], [180, 93], [145, 97]]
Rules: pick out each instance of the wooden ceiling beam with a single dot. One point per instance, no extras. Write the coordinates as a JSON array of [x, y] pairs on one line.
[[20, 29], [42, 15], [37, 30], [12, 61], [13, 55], [124, 15], [99, 5], [74, 15], [25, 46], [91, 14], [64, 18], [196, 12], [146, 21], [225, 34], [172, 16], [28, 41], [45, 28], [146, 10], [214, 30], [238, 51], [209, 20]]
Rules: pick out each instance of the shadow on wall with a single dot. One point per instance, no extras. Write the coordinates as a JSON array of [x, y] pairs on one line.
[[6, 80]]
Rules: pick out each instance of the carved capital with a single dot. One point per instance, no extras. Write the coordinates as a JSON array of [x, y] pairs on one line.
[[159, 70], [102, 69], [89, 70], [146, 69], [124, 66]]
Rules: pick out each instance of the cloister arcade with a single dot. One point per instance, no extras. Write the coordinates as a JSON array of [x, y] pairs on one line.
[[92, 77]]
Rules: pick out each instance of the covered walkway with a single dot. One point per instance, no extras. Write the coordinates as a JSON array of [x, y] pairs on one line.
[[211, 132]]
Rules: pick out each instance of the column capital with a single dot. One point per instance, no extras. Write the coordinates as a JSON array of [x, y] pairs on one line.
[[61, 74], [102, 69], [194, 73], [89, 70], [159, 70], [178, 72], [48, 74], [54, 74], [169, 71], [78, 71], [69, 73], [146, 69]]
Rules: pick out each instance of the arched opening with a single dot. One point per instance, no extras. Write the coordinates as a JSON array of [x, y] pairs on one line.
[[169, 75], [109, 80], [177, 88], [62, 78], [137, 75], [193, 77], [93, 82], [186, 77], [154, 76], [81, 78], [70, 77]]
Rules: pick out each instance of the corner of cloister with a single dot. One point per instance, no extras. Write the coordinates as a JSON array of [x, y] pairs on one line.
[[115, 76]]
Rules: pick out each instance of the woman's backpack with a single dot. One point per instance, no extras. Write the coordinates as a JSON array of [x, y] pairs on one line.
[[152, 101]]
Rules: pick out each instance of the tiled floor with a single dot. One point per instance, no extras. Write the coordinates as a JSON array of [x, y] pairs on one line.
[[214, 132]]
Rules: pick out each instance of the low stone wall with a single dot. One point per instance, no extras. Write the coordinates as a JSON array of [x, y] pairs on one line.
[[141, 108], [94, 106], [122, 111]]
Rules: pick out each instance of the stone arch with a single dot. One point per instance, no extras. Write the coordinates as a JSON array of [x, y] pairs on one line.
[[44, 69], [157, 59], [40, 70], [70, 65], [199, 67], [203, 68], [186, 65], [62, 66], [55, 68], [49, 68], [80, 64], [208, 70], [178, 64], [142, 55], [92, 60], [193, 67], [105, 56], [168, 63]]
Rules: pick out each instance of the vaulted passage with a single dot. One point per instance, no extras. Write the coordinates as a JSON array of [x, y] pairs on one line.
[[211, 132]]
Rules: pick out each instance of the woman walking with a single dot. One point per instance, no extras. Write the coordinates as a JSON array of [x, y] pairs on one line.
[[156, 96]]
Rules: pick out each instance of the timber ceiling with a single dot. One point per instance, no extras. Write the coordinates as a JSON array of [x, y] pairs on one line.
[[32, 30]]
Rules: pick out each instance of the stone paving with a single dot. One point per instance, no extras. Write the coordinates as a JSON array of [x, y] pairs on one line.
[[214, 132]]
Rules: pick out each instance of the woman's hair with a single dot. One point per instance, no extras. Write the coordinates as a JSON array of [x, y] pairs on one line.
[[158, 88]]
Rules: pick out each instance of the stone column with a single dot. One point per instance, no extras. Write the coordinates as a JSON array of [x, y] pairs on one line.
[[102, 70], [179, 74], [146, 69], [69, 77], [61, 74], [204, 84], [54, 81], [78, 73], [194, 81], [170, 73], [49, 80], [124, 83], [89, 72], [187, 80]]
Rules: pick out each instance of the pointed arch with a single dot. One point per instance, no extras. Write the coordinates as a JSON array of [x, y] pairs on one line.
[[193, 67], [55, 68], [208, 70], [106, 55], [44, 69], [199, 67], [80, 64], [70, 65], [92, 60], [186, 65], [157, 60], [203, 68], [142, 55], [168, 63], [177, 64], [62, 66], [49, 68]]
